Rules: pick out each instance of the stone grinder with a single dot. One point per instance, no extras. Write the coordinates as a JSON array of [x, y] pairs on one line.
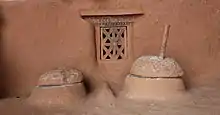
[[155, 77]]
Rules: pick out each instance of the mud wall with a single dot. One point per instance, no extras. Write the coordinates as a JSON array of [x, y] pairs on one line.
[[39, 35]]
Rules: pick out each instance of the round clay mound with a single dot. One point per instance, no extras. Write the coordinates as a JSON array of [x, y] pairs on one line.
[[61, 76], [154, 66], [59, 87]]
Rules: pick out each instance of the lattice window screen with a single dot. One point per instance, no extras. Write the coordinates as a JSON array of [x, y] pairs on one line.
[[113, 43]]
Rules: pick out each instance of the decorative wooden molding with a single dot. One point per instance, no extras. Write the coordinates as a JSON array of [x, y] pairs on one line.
[[105, 17], [112, 12]]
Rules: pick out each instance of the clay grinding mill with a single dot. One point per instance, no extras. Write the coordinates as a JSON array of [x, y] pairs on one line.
[[155, 77], [60, 87]]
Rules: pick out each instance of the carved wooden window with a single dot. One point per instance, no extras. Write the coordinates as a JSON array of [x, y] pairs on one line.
[[113, 43], [113, 33]]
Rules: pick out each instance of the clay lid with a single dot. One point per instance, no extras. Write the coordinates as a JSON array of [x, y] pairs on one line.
[[60, 76], [154, 66]]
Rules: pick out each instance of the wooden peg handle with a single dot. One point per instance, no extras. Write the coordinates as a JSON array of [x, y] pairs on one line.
[[164, 42]]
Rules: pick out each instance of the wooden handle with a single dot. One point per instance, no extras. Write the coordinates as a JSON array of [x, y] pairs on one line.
[[164, 42]]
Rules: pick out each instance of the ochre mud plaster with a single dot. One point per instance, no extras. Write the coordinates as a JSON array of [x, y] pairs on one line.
[[41, 35], [102, 96]]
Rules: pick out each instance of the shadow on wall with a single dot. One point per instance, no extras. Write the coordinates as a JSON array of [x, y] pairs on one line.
[[3, 68]]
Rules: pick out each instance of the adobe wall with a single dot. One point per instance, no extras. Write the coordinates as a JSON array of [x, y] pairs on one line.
[[39, 35]]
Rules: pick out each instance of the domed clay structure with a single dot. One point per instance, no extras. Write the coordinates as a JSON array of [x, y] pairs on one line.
[[58, 87], [155, 77]]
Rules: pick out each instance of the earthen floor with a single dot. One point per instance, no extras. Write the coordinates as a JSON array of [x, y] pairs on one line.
[[203, 101]]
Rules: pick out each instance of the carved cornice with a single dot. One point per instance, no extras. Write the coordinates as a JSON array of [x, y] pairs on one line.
[[111, 17], [110, 20]]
